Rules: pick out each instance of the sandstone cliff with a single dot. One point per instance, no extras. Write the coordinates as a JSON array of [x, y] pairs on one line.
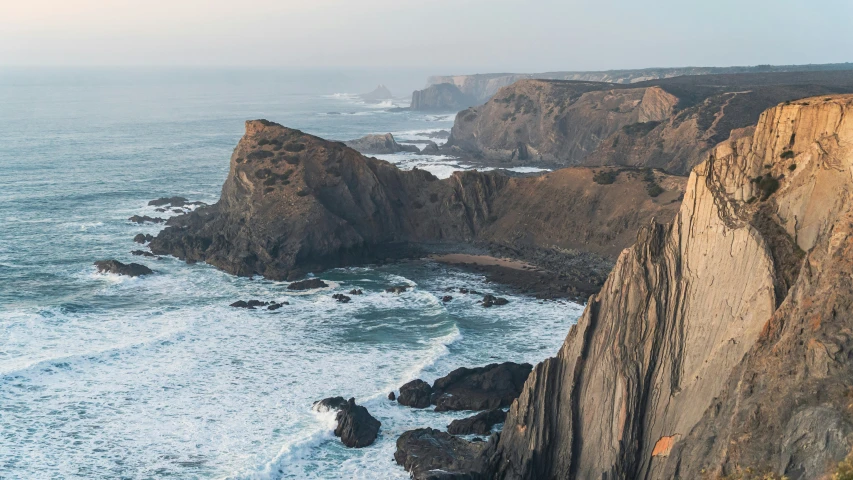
[[721, 342], [442, 97], [673, 128], [294, 203]]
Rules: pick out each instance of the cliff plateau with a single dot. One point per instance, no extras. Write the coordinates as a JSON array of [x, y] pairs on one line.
[[721, 343]]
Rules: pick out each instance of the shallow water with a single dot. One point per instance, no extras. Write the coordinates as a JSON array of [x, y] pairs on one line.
[[110, 377]]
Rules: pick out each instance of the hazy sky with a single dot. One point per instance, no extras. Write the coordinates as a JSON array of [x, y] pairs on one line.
[[453, 36]]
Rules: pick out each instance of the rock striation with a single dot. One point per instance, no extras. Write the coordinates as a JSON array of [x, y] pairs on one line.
[[720, 344], [294, 203]]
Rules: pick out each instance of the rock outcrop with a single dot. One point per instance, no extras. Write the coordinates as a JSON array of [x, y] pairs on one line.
[[720, 344], [380, 145], [356, 426], [480, 424], [415, 394], [294, 203], [378, 95], [670, 124], [444, 97], [429, 454], [118, 268], [482, 388]]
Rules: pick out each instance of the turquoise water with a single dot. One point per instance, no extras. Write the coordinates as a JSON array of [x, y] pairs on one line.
[[111, 377]]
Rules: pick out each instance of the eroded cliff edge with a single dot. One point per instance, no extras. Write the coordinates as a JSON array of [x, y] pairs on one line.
[[294, 203], [721, 341]]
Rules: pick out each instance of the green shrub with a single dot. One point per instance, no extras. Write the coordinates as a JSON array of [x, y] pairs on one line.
[[767, 185], [844, 471], [294, 147], [653, 189], [605, 177], [787, 154], [792, 167], [303, 193]]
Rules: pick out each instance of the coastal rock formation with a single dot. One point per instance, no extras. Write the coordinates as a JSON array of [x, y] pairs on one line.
[[670, 124], [442, 97], [329, 404], [480, 424], [308, 284], [380, 145], [378, 95], [429, 454], [118, 268], [356, 426], [720, 344], [415, 394], [482, 388], [294, 203]]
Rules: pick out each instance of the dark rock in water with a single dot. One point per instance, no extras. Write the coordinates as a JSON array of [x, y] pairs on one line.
[[482, 388], [429, 454], [356, 292], [145, 218], [130, 269], [308, 284], [430, 149], [480, 424], [490, 300], [392, 397], [397, 289], [340, 297], [329, 404], [378, 95], [257, 303], [143, 238], [356, 426], [380, 145], [177, 210], [446, 298], [276, 306], [159, 210], [143, 253], [239, 304], [463, 290], [173, 201], [415, 394]]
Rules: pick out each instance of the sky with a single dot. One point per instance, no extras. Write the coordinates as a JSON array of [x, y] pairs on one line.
[[458, 36]]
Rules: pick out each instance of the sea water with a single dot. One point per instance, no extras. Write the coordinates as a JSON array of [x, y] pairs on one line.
[[105, 377]]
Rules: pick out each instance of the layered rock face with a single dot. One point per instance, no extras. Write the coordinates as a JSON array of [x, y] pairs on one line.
[[721, 342], [670, 124], [294, 203], [442, 97], [554, 122]]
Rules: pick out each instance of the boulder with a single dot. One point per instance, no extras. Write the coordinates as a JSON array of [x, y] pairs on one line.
[[431, 148], [341, 298], [490, 300], [356, 426], [380, 145], [446, 298], [356, 292], [143, 238], [392, 397], [130, 269], [145, 219], [276, 306], [143, 253], [482, 388], [415, 394], [308, 284], [480, 424], [329, 404], [429, 454], [397, 289]]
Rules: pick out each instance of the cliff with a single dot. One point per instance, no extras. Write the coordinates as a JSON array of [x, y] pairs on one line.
[[442, 97], [483, 86], [294, 203], [670, 124], [720, 344]]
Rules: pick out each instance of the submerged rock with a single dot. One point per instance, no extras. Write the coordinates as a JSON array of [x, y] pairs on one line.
[[308, 284], [173, 201], [145, 218], [392, 397], [415, 394], [490, 300], [341, 298], [143, 253], [356, 292], [356, 426], [446, 298], [429, 454], [489, 387], [118, 268], [143, 238], [480, 424], [397, 289]]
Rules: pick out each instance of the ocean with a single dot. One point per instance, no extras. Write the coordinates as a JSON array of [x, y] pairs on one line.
[[105, 377]]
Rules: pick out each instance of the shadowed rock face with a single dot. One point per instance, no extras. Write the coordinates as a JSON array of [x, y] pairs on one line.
[[294, 203], [720, 341], [442, 97]]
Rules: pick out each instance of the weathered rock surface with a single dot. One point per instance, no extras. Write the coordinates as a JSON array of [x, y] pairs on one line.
[[481, 388], [380, 145], [294, 203], [719, 343], [444, 97], [429, 454], [415, 394], [329, 404], [431, 148], [480, 424], [118, 268], [356, 426], [671, 124]]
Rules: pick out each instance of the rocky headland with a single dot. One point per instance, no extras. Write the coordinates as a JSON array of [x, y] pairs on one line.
[[294, 203], [445, 97], [670, 124]]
